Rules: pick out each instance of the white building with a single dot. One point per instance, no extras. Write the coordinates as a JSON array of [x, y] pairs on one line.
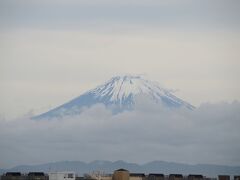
[[62, 175]]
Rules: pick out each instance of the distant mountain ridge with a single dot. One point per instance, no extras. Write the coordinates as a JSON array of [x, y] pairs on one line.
[[151, 167], [118, 94]]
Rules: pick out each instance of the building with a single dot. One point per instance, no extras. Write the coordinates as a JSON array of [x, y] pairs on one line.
[[195, 177], [236, 177], [62, 176], [13, 176], [223, 177], [155, 177], [121, 174], [175, 177], [137, 176], [37, 176]]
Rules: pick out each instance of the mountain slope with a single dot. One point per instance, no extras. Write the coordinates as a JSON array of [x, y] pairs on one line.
[[151, 167], [118, 94]]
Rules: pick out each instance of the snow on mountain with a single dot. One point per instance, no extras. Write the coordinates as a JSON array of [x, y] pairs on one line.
[[118, 94]]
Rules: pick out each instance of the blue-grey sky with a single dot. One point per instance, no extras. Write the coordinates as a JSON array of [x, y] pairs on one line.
[[81, 14], [52, 51]]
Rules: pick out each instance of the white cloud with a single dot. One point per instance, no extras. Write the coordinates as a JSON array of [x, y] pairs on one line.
[[209, 134]]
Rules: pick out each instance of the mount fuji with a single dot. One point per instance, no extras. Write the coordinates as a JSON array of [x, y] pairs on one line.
[[118, 94]]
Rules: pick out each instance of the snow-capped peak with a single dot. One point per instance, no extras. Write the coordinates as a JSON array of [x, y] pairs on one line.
[[120, 88], [119, 94]]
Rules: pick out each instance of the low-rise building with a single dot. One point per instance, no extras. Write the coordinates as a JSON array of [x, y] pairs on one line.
[[62, 175], [137, 176], [37, 176], [155, 177], [13, 176], [195, 177], [175, 177], [223, 177], [236, 177], [121, 174]]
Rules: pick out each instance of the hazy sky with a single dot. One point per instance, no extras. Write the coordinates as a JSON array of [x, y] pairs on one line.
[[52, 51]]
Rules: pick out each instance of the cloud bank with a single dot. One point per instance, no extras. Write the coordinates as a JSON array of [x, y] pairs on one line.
[[209, 134]]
